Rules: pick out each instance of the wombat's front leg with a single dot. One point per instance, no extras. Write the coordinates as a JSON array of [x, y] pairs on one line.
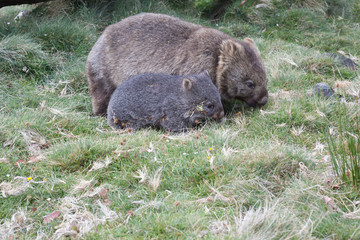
[[100, 90]]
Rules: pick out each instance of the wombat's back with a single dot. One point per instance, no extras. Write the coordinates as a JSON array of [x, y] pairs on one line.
[[146, 41]]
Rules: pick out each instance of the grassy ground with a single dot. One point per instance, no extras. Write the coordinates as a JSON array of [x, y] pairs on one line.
[[261, 174]]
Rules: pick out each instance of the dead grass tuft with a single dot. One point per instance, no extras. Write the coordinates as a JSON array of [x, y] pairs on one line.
[[215, 195], [142, 175], [4, 160], [101, 164], [78, 220], [219, 227], [35, 143], [82, 186], [285, 95], [152, 181], [16, 187], [272, 221], [297, 131], [19, 222], [227, 151]]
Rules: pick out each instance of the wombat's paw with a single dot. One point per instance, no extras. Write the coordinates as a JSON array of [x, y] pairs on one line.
[[117, 123], [115, 120]]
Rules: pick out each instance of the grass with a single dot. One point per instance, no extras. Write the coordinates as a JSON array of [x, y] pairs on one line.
[[345, 156], [261, 174]]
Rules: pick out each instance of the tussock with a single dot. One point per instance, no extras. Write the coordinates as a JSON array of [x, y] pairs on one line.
[[211, 161], [82, 186], [263, 113], [297, 131], [15, 51], [267, 151], [319, 148], [77, 220], [151, 149], [143, 206], [219, 227], [142, 175], [349, 88], [352, 215], [215, 195], [241, 121], [101, 164], [34, 142], [19, 222], [290, 61], [227, 134], [272, 221], [184, 136], [285, 95], [100, 191], [4, 160], [16, 187], [343, 84], [56, 111], [152, 181], [227, 151]]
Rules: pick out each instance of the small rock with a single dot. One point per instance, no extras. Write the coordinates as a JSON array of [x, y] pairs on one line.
[[344, 61], [324, 90]]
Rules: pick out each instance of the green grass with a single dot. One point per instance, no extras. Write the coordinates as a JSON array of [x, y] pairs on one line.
[[261, 174]]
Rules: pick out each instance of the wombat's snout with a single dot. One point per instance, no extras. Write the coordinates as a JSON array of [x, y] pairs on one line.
[[214, 111], [218, 116], [263, 101], [257, 102]]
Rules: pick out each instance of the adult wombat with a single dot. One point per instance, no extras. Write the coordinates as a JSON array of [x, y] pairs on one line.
[[159, 43], [173, 103]]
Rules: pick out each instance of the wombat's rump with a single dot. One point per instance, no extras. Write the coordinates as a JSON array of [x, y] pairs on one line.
[[173, 103], [159, 43]]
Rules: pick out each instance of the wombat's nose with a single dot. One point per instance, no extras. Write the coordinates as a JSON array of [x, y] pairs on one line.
[[218, 116], [263, 101], [221, 115]]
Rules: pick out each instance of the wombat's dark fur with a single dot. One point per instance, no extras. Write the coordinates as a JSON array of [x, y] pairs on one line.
[[159, 43], [173, 103]]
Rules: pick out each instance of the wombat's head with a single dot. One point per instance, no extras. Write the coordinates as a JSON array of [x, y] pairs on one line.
[[203, 98], [241, 73]]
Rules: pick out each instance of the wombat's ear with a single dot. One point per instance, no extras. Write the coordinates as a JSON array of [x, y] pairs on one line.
[[187, 84], [249, 40], [252, 45], [229, 48]]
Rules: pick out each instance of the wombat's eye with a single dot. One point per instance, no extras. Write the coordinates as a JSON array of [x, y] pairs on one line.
[[250, 85], [210, 106]]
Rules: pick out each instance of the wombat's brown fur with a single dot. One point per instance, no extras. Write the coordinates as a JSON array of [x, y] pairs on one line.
[[159, 43], [173, 103]]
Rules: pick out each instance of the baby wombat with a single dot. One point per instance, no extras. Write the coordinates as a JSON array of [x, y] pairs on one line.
[[173, 103], [159, 43]]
